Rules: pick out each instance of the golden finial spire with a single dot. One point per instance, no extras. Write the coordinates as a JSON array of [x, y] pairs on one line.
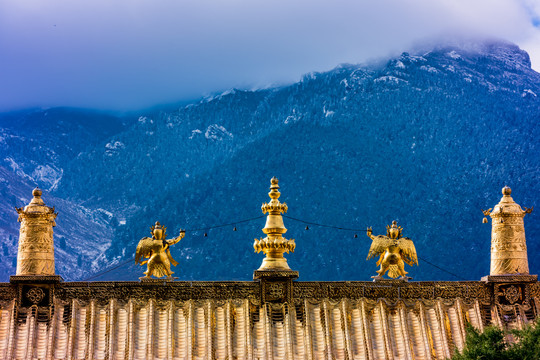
[[274, 221], [274, 244], [508, 245]]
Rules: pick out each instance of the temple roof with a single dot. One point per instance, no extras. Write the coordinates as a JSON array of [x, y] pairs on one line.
[[272, 317], [266, 319]]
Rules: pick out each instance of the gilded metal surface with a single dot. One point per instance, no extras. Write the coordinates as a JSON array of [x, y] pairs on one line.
[[279, 291], [394, 251], [7, 292], [323, 314], [510, 278], [534, 290], [36, 248], [178, 290], [156, 250], [35, 279], [302, 290], [200, 290], [508, 244], [274, 244], [35, 295]]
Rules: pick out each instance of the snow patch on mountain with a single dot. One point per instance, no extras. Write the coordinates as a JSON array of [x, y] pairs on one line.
[[449, 68], [217, 132], [389, 79], [228, 92], [358, 76], [47, 175], [408, 58], [399, 65], [454, 55], [428, 68], [294, 117], [195, 133], [16, 168], [328, 113], [113, 147]]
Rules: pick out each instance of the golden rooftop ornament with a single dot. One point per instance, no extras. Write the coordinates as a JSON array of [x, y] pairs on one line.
[[394, 251], [36, 248], [156, 249], [274, 244], [508, 245]]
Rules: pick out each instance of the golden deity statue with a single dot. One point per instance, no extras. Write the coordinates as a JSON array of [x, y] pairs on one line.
[[394, 251], [156, 250]]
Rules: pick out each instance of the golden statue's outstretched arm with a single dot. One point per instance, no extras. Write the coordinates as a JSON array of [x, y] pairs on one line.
[[369, 231], [175, 240]]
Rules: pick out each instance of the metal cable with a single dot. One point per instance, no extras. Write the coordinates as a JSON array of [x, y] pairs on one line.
[[259, 217], [322, 225]]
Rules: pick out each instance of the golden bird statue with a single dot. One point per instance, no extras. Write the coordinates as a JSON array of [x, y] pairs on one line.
[[394, 250], [156, 250]]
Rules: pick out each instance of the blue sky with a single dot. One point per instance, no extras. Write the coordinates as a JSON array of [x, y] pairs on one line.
[[130, 54]]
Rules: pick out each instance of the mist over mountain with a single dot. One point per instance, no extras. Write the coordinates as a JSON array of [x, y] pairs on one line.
[[427, 139]]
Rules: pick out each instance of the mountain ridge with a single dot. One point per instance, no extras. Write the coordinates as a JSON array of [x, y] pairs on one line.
[[414, 135]]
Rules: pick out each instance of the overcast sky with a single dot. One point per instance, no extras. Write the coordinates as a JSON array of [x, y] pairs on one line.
[[131, 54]]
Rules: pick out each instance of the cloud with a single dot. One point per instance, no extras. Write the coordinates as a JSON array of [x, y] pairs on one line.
[[129, 54]]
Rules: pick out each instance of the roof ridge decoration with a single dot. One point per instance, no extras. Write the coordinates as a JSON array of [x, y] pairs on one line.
[[508, 243], [156, 250], [274, 245], [394, 250], [36, 249]]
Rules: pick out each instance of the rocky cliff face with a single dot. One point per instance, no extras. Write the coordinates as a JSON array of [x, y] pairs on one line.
[[426, 138]]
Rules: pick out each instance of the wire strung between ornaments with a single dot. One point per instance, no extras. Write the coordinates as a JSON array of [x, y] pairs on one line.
[[109, 270], [321, 225], [208, 228], [443, 270]]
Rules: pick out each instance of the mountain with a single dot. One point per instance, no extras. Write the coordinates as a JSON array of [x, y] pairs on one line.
[[35, 147], [427, 138]]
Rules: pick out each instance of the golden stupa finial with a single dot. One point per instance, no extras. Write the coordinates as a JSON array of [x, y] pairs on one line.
[[274, 207], [274, 244], [508, 245], [36, 192], [394, 251]]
